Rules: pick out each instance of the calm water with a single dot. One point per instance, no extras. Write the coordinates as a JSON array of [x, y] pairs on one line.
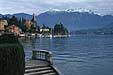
[[78, 55]]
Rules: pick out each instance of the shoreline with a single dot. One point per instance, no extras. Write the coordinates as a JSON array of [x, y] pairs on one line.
[[42, 36]]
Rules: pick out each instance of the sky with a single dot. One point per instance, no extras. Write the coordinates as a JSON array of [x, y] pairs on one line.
[[104, 7]]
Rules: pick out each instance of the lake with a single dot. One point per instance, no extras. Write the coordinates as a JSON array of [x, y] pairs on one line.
[[77, 55]]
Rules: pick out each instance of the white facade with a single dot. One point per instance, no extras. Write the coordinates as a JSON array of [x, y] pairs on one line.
[[45, 30]]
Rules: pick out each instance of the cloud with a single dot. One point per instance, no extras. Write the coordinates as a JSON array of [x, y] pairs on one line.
[[39, 6]]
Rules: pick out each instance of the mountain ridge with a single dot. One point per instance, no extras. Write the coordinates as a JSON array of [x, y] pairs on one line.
[[72, 20]]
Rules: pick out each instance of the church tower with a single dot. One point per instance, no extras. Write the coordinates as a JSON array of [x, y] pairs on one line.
[[34, 20], [35, 25]]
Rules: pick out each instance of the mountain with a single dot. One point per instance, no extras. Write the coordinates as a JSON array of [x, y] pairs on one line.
[[108, 29], [18, 15], [24, 15], [73, 20]]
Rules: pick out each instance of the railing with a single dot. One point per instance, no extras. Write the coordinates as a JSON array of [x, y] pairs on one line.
[[42, 55]]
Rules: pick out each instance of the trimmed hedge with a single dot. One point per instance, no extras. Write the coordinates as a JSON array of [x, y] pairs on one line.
[[8, 38], [12, 59]]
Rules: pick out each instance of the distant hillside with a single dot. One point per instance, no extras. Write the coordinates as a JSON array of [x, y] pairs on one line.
[[24, 15], [18, 15], [75, 20], [72, 20], [108, 29]]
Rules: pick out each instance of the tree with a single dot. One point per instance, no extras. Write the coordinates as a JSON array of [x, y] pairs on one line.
[[12, 57], [13, 21], [59, 29], [32, 29], [21, 24]]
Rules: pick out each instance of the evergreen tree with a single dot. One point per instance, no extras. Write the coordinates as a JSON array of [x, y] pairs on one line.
[[21, 24], [43, 26], [3, 17], [33, 29], [59, 29], [13, 21]]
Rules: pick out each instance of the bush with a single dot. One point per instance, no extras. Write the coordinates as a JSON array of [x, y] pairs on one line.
[[8, 38], [12, 61]]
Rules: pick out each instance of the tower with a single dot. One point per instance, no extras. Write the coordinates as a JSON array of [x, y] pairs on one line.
[[35, 26], [34, 20]]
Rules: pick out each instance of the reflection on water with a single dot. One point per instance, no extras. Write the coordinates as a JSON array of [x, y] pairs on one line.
[[78, 55]]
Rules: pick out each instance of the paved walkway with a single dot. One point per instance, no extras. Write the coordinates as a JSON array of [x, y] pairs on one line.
[[39, 67], [36, 62]]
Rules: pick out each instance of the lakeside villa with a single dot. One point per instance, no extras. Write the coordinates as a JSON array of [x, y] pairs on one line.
[[30, 28]]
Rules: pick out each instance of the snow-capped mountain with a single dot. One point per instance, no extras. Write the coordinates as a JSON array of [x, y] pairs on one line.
[[72, 19], [71, 10], [79, 10]]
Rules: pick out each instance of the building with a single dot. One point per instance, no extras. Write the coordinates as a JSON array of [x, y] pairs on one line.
[[44, 29], [33, 20], [3, 24], [14, 29], [35, 24], [31, 25]]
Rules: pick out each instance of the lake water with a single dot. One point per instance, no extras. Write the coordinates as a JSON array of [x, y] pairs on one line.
[[77, 55]]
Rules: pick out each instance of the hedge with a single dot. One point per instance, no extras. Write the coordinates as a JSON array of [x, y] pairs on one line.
[[8, 38], [12, 58]]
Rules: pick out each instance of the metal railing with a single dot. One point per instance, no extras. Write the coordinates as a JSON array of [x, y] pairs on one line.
[[42, 55]]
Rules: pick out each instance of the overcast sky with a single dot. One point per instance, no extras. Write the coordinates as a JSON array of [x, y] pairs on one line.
[[39, 6]]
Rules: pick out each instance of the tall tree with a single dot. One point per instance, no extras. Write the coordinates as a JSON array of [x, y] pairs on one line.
[[59, 29], [13, 20], [21, 24]]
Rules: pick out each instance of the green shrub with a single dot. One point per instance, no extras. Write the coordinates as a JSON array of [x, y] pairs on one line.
[[8, 38], [12, 59]]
